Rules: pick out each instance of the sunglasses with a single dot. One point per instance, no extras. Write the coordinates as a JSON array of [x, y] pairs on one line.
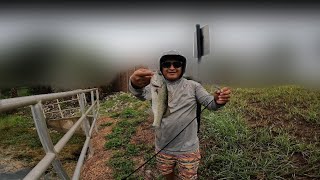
[[176, 64]]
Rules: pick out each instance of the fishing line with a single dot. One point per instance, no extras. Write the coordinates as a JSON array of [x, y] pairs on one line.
[[167, 143]]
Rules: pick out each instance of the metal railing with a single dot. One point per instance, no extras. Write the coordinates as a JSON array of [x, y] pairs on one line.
[[40, 122], [54, 110]]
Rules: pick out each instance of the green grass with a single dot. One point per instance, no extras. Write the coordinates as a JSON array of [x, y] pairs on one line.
[[123, 166], [243, 153], [250, 138], [19, 140], [286, 102], [234, 150], [130, 113], [12, 120], [106, 124], [22, 91], [16, 129], [152, 162], [133, 149]]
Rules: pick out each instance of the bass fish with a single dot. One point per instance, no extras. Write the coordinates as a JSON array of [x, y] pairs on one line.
[[159, 96]]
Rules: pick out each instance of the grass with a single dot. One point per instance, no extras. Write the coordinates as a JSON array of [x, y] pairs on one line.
[[16, 129], [122, 165], [250, 138], [123, 103], [235, 149], [287, 102], [8, 121], [22, 91], [122, 161], [106, 124], [130, 113], [20, 141]]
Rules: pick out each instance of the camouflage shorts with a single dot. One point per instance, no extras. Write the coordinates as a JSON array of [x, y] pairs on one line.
[[187, 164]]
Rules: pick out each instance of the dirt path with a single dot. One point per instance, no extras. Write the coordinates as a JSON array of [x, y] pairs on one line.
[[145, 136], [95, 167], [9, 165]]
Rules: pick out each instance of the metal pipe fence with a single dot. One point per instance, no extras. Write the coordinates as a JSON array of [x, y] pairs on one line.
[[51, 150]]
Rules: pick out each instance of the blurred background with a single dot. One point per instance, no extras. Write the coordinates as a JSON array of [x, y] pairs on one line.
[[70, 47]]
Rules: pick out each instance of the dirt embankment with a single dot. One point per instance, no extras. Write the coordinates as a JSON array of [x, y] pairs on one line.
[[96, 167], [278, 118]]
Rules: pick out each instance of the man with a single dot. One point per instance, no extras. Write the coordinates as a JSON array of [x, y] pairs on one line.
[[183, 95]]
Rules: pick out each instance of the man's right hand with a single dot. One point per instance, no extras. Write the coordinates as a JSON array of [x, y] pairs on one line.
[[141, 78]]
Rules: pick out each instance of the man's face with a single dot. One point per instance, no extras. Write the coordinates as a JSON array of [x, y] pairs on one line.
[[172, 69]]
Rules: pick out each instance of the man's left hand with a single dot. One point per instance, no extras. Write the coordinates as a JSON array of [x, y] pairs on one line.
[[222, 96]]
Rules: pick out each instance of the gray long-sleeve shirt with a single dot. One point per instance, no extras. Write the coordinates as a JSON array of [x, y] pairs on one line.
[[183, 96]]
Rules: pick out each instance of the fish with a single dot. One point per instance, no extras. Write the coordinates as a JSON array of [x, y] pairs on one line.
[[159, 98]]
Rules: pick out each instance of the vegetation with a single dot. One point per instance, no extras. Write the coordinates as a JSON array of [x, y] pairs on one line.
[[262, 133], [270, 133], [106, 124], [129, 113], [24, 91], [19, 140]]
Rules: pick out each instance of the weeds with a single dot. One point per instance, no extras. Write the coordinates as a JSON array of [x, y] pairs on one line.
[[286, 102], [19, 140], [106, 124], [132, 150], [250, 138], [234, 150], [9, 121], [127, 110]]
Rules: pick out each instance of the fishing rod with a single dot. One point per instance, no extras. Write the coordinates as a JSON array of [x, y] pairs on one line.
[[167, 143]]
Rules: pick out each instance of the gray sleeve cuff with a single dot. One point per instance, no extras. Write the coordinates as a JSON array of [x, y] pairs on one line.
[[218, 105], [140, 93], [206, 99], [135, 91]]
